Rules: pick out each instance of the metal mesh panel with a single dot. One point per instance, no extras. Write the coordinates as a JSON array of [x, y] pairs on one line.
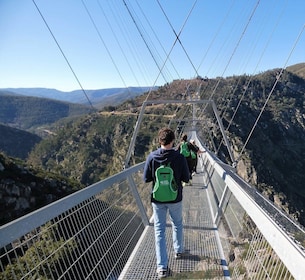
[[216, 185], [254, 258], [248, 252], [92, 240], [233, 214]]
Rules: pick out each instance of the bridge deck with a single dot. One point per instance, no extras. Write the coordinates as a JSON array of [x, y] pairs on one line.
[[201, 259]]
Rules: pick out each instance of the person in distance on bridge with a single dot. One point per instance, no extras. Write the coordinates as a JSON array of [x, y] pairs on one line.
[[194, 156], [162, 156], [186, 149]]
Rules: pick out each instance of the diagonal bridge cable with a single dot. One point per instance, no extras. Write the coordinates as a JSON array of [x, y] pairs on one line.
[[178, 35], [250, 79], [146, 44], [235, 49], [233, 52], [132, 142], [246, 87], [270, 93], [174, 43], [115, 36], [142, 36], [156, 36], [74, 74], [103, 42]]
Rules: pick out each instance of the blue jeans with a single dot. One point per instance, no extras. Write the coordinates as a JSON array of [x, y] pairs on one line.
[[175, 214]]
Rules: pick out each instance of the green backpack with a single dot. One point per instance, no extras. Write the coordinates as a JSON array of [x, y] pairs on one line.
[[165, 187], [184, 149]]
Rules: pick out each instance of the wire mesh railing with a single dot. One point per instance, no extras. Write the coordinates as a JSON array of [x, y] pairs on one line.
[[258, 239], [88, 235]]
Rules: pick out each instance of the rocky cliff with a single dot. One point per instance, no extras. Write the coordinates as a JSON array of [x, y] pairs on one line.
[[23, 189]]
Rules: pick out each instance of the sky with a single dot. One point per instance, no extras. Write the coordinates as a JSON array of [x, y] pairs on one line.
[[95, 44]]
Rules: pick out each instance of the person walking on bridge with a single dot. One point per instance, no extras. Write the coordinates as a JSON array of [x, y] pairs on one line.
[[194, 156], [167, 155], [185, 149]]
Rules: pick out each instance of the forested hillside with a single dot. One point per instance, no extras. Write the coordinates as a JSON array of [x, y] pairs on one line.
[[273, 160], [275, 149], [24, 189], [297, 69], [17, 143], [32, 112], [94, 146]]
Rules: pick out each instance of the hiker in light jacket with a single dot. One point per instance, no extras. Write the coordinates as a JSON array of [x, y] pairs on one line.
[[166, 153]]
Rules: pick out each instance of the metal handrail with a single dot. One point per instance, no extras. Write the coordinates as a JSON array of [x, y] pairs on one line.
[[19, 227]]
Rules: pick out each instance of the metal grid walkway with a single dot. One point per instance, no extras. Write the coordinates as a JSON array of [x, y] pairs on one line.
[[201, 259]]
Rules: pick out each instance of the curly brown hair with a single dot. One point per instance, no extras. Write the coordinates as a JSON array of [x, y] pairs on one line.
[[166, 136]]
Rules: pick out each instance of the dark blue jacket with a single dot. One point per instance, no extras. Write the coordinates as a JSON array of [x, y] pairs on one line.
[[178, 164]]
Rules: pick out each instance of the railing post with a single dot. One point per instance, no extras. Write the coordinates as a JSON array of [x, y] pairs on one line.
[[137, 197], [220, 206], [223, 131], [134, 136]]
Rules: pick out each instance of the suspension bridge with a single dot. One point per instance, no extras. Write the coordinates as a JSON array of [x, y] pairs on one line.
[[105, 231], [231, 231]]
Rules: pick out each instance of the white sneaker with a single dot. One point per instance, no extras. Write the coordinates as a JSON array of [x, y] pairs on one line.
[[162, 273]]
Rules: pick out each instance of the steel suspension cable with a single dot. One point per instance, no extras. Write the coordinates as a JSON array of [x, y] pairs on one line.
[[174, 43], [214, 38], [132, 143], [146, 35], [270, 93], [178, 35], [157, 38], [233, 53], [103, 42], [236, 46], [246, 87], [144, 40], [167, 57], [256, 67], [165, 71], [125, 33], [63, 54], [117, 41]]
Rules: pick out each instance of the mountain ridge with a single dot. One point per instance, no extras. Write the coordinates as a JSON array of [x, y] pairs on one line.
[[25, 112], [99, 97]]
